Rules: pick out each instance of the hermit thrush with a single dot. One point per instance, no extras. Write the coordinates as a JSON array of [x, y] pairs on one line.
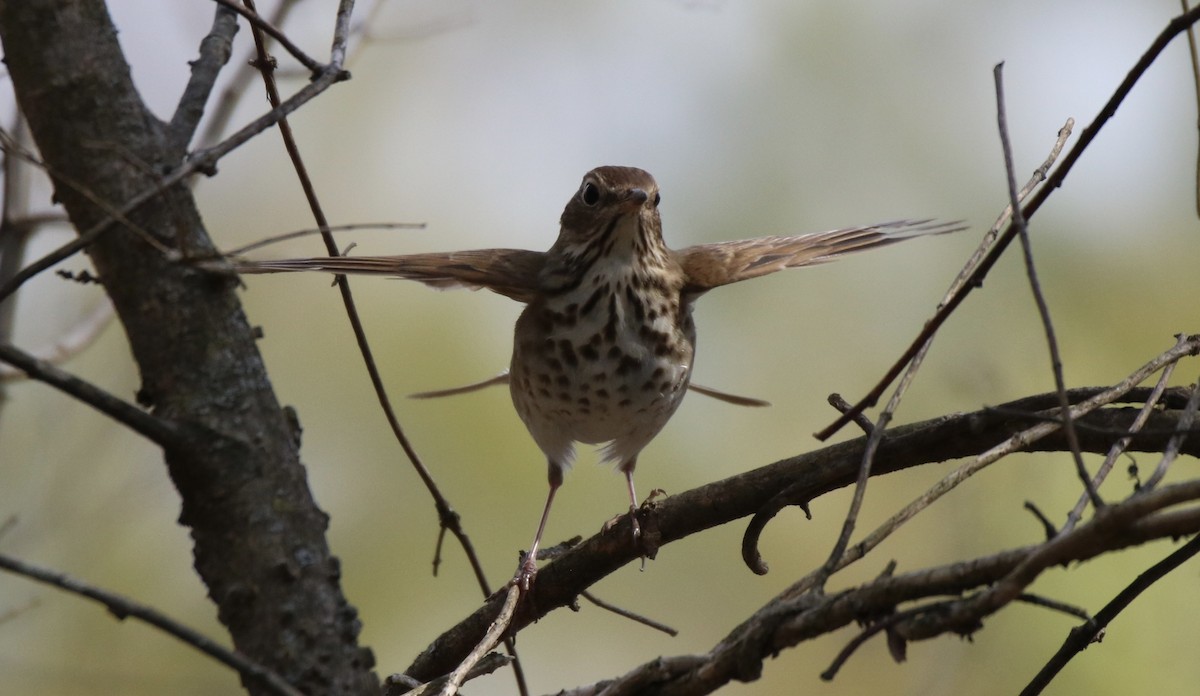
[[602, 353]]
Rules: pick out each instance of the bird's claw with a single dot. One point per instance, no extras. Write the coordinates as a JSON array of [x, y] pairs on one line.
[[526, 573]]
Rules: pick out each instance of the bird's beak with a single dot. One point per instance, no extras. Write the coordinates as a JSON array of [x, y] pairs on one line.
[[634, 200]]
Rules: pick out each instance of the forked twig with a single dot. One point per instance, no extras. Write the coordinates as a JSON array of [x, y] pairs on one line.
[[958, 288], [1015, 443], [490, 639], [1119, 446], [1175, 27], [1172, 450], [265, 27]]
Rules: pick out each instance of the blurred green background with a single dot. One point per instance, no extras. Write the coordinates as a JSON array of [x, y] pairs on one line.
[[765, 117]]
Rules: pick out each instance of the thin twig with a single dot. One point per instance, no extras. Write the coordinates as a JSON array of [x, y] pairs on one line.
[[14, 236], [288, 236], [1035, 287], [1119, 446], [201, 161], [71, 342], [161, 432], [490, 639], [994, 454], [1175, 27], [401, 684], [235, 89], [265, 27], [215, 49], [875, 432], [1195, 59], [122, 607], [875, 627], [1108, 520], [1172, 451], [1062, 607], [11, 147], [447, 516], [1082, 636], [445, 510], [632, 616]]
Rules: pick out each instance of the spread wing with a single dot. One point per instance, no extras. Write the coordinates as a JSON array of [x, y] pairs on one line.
[[711, 265], [509, 272]]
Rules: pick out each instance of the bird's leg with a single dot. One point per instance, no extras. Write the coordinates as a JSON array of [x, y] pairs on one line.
[[627, 467], [528, 568]]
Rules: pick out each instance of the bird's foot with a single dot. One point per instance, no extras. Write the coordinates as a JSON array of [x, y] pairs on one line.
[[633, 520], [526, 573], [654, 495], [636, 530]]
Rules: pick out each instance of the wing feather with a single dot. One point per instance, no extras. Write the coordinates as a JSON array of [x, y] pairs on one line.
[[509, 272], [711, 265]]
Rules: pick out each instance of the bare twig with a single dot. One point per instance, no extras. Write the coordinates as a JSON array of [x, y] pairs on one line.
[[11, 147], [157, 430], [1055, 605], [1172, 450], [201, 161], [1195, 56], [122, 607], [243, 76], [1036, 288], [1175, 27], [1082, 636], [1119, 446], [288, 236], [632, 616], [786, 622], [215, 50], [1108, 521], [875, 432], [400, 684], [14, 237], [265, 27], [811, 475], [447, 516], [490, 639], [1018, 441], [71, 343]]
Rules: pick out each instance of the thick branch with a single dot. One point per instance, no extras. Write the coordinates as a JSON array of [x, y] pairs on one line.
[[807, 476], [259, 537]]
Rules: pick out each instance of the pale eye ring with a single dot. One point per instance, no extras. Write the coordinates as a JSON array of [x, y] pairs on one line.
[[589, 193]]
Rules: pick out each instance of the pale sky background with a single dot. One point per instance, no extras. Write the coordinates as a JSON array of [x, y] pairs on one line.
[[757, 117]]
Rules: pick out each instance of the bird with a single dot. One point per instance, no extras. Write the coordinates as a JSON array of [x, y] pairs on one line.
[[603, 350]]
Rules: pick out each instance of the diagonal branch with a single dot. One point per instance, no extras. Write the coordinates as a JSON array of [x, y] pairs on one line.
[[215, 50], [1082, 636], [1175, 27], [811, 475]]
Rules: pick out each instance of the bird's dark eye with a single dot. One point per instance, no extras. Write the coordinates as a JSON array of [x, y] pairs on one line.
[[589, 194], [657, 199]]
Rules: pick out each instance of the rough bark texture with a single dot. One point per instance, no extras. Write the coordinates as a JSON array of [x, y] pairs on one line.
[[259, 537]]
